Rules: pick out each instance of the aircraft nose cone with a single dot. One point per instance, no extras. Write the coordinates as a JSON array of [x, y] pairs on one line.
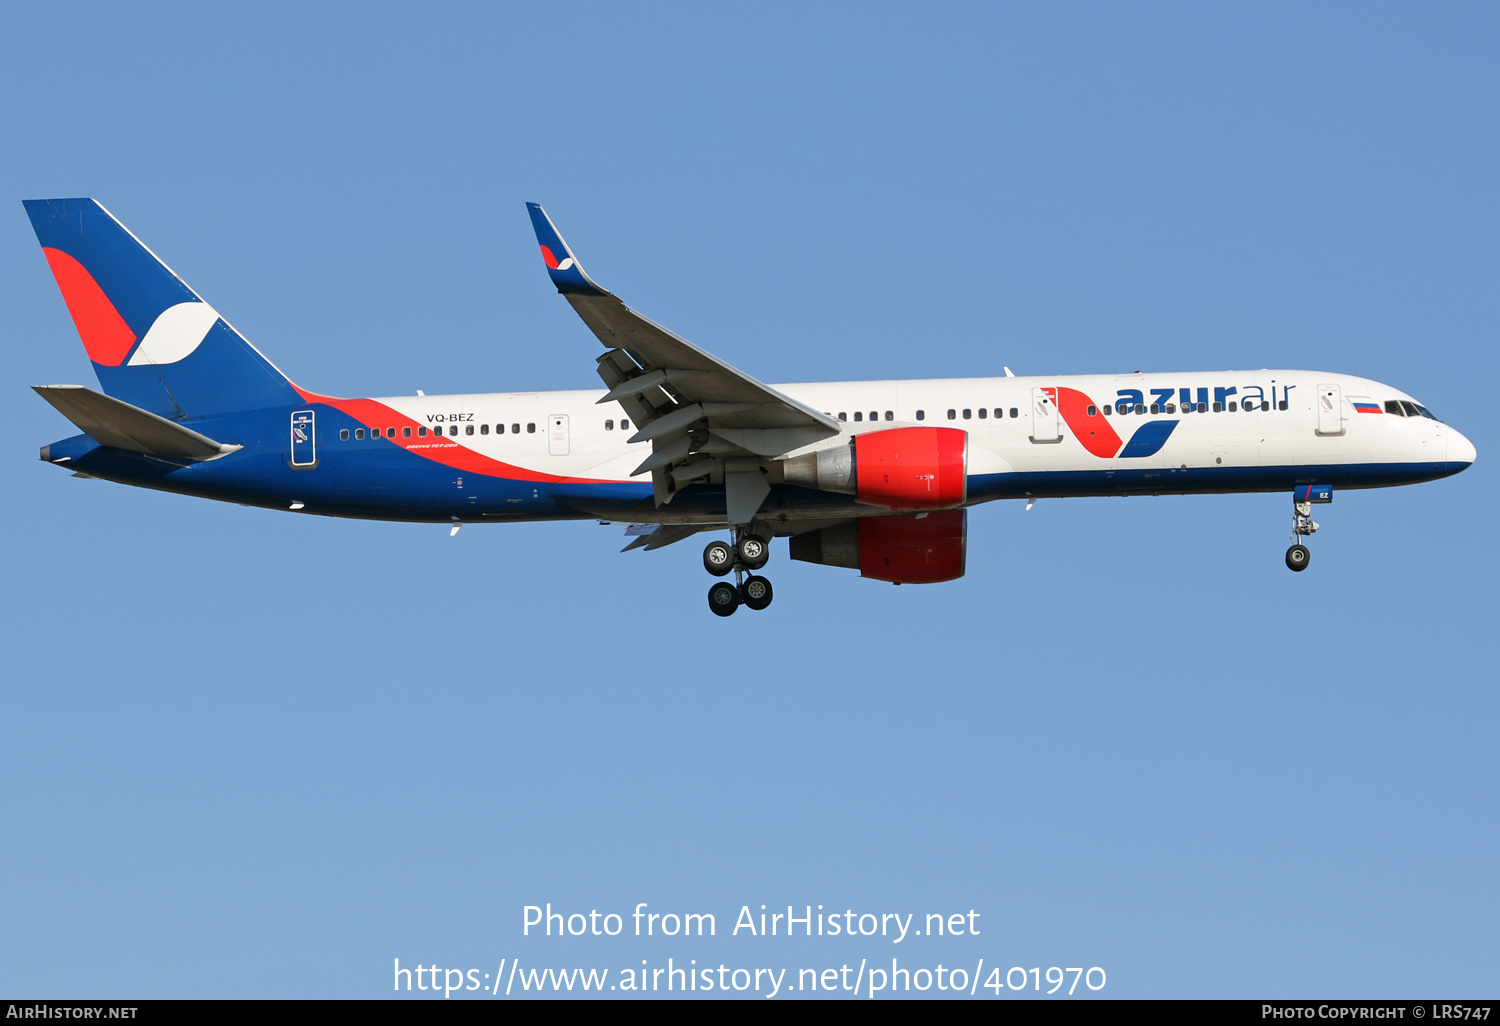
[[1460, 449]]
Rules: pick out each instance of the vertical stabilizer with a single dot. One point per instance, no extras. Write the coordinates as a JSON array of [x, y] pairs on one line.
[[153, 341]]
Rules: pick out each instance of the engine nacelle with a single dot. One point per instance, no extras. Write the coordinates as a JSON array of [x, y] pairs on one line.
[[899, 468], [923, 548]]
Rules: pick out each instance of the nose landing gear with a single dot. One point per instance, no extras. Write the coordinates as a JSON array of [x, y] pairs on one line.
[[749, 552], [1298, 556]]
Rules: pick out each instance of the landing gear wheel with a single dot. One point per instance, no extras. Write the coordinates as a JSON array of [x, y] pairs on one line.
[[723, 599], [718, 559], [756, 592], [753, 551], [1297, 558]]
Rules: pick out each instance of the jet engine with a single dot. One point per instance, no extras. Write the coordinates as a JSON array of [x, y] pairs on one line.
[[900, 468], [921, 548]]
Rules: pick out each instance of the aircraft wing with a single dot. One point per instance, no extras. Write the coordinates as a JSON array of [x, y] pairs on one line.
[[699, 413]]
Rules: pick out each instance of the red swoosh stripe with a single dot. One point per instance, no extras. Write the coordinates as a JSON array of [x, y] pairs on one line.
[[106, 336], [1094, 432], [438, 448]]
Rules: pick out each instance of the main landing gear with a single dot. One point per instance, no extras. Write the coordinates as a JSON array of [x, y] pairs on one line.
[[1297, 557], [749, 552]]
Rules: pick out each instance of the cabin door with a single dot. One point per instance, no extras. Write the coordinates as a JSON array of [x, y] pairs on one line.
[[1330, 410], [1044, 424]]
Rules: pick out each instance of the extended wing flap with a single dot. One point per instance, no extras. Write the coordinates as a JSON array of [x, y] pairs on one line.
[[112, 422]]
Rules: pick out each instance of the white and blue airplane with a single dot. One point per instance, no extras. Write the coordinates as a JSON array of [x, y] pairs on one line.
[[872, 475]]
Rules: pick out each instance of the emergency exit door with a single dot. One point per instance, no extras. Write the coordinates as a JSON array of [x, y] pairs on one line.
[[557, 434]]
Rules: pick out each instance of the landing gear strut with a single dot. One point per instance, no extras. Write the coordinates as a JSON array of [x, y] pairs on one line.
[[1297, 557], [749, 552]]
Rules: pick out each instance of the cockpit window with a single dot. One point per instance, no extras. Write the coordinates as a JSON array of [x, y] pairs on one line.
[[1393, 406], [1410, 408], [1424, 411]]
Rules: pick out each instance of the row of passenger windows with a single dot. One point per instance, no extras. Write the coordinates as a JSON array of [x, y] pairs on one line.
[[859, 415], [983, 413], [1109, 410], [484, 429], [390, 432], [1264, 406]]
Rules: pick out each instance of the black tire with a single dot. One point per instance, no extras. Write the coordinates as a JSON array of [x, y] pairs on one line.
[[723, 598], [756, 592], [1297, 558], [718, 558], [754, 552]]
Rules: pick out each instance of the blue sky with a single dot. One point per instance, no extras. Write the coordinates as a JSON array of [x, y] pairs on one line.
[[250, 754]]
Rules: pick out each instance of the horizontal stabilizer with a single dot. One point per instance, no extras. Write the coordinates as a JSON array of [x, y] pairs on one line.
[[114, 423]]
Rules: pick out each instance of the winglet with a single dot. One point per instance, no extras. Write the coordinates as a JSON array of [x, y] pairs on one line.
[[562, 265]]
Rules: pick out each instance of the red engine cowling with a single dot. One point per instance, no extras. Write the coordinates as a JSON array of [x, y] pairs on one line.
[[899, 468], [912, 468], [914, 549]]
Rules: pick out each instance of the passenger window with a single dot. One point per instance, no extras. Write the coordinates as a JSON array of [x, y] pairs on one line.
[[874, 414], [1155, 409], [469, 429], [1265, 406], [890, 415], [406, 432], [453, 430], [531, 429], [1013, 413], [1108, 410], [1232, 407], [1280, 406], [624, 425], [1218, 407], [858, 417], [843, 416], [609, 425], [515, 429], [983, 413], [968, 414], [390, 432], [999, 412], [952, 414], [1093, 411], [484, 429], [359, 433], [1203, 407], [1140, 409], [1171, 407], [1392, 406], [343, 434], [921, 414], [421, 432]]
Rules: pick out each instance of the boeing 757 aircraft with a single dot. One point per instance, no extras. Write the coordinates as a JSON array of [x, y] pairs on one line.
[[871, 475]]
